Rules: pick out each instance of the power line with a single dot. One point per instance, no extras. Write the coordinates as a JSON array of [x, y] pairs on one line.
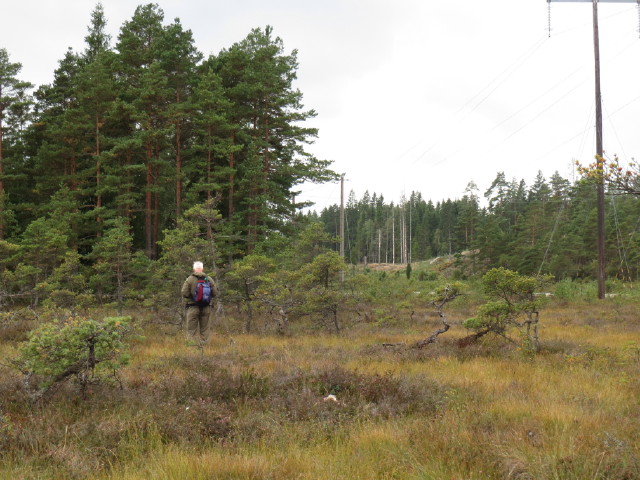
[[548, 107], [553, 104], [536, 99], [624, 106], [507, 72], [553, 232], [615, 132], [588, 128], [506, 77], [540, 113]]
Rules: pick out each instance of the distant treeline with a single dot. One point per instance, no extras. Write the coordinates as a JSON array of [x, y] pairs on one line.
[[548, 227]]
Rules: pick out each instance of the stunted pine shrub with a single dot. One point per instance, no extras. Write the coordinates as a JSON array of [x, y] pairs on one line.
[[440, 298], [512, 303], [81, 348]]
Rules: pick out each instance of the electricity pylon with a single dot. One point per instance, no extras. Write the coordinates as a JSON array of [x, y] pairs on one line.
[[599, 149]]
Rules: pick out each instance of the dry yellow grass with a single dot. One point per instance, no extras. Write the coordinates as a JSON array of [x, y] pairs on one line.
[[569, 412], [507, 416]]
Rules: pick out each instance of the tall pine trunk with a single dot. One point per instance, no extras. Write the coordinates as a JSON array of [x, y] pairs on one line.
[[252, 221], [126, 208], [156, 209], [232, 178], [178, 163], [209, 163], [266, 168], [148, 200], [2, 201], [98, 172], [73, 167], [178, 172]]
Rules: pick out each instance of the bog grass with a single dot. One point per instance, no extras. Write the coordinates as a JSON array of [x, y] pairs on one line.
[[253, 406]]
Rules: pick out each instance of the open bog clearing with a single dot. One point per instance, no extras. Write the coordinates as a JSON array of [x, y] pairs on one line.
[[314, 405]]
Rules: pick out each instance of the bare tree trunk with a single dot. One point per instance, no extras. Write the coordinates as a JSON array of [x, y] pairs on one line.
[[148, 199], [468, 340], [533, 322], [336, 324], [178, 172], [434, 336], [98, 174], [232, 179], [448, 296], [282, 322], [247, 325], [2, 201]]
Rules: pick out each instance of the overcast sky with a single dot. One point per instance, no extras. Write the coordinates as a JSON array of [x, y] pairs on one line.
[[411, 95]]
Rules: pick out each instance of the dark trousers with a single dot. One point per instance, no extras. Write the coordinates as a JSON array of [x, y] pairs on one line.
[[198, 322]]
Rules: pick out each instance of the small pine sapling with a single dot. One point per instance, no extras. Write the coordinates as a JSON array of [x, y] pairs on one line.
[[443, 295], [513, 303], [81, 348]]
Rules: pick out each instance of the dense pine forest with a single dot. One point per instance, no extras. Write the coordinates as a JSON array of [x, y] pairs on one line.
[[547, 227], [131, 135], [146, 129]]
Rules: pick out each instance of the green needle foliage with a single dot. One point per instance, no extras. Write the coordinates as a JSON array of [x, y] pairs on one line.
[[513, 303], [81, 348]]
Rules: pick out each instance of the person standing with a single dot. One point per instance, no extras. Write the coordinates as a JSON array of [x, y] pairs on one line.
[[198, 290]]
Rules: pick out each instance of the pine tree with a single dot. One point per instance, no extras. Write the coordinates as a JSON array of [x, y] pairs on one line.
[[14, 104], [259, 77], [146, 92], [96, 98], [60, 133], [178, 58], [97, 40], [245, 280], [209, 169], [112, 255], [469, 215], [75, 112], [47, 241]]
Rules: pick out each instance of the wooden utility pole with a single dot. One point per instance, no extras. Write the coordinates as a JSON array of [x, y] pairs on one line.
[[342, 224], [599, 155], [601, 275]]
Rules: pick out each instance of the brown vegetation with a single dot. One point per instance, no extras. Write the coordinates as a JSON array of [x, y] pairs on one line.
[[253, 408]]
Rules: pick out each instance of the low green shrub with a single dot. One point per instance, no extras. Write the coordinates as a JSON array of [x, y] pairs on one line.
[[568, 289], [78, 347]]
